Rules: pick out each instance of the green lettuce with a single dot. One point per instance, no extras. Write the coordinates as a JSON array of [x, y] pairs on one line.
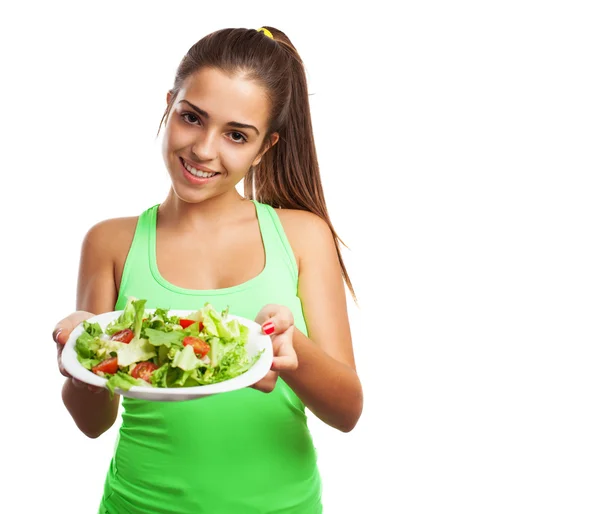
[[131, 318], [124, 382], [186, 359], [93, 329], [137, 351], [160, 338]]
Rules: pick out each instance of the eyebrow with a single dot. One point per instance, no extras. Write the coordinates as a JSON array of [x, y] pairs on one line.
[[235, 124]]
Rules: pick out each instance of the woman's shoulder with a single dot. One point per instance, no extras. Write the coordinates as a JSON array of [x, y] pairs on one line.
[[112, 228], [305, 230], [300, 221], [111, 237]]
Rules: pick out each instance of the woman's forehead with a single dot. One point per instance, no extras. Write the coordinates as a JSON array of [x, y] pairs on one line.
[[226, 97]]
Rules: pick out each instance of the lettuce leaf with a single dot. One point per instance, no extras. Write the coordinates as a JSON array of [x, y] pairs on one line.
[[137, 351], [124, 382], [125, 320], [160, 338]]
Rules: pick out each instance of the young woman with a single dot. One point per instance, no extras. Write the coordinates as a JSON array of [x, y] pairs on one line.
[[238, 110]]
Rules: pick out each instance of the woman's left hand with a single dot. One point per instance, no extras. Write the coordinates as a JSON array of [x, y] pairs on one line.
[[278, 322]]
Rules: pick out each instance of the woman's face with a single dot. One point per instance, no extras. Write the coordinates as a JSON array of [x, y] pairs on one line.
[[214, 133]]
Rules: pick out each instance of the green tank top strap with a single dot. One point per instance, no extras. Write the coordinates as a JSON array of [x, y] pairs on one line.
[[137, 264], [277, 246]]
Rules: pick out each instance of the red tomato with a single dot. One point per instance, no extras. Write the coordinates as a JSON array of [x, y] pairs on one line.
[[144, 370], [200, 347], [125, 336], [107, 366], [187, 322]]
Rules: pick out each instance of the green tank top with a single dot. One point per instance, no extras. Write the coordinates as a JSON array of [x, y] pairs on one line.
[[242, 452]]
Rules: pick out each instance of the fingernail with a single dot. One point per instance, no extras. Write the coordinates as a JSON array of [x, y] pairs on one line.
[[268, 328], [55, 335]]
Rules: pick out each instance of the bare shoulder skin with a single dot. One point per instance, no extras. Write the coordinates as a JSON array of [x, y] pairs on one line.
[[103, 254]]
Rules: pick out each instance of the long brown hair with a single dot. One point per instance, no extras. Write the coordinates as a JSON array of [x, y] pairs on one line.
[[288, 174]]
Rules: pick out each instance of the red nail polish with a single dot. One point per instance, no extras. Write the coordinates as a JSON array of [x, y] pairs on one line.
[[268, 328]]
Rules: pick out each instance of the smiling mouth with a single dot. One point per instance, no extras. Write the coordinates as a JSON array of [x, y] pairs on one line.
[[195, 172]]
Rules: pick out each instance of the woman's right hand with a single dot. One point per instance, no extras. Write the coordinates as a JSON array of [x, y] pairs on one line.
[[61, 335]]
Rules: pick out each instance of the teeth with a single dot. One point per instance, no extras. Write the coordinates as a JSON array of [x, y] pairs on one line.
[[198, 173]]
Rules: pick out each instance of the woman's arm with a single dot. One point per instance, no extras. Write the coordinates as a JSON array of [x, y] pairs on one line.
[[325, 379], [91, 408]]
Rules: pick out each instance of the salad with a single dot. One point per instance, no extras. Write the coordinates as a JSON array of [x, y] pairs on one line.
[[151, 348]]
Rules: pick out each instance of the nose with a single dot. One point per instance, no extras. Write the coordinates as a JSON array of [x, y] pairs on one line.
[[205, 146]]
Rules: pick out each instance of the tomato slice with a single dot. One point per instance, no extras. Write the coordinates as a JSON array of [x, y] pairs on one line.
[[144, 370], [125, 336], [186, 322], [199, 346], [107, 366]]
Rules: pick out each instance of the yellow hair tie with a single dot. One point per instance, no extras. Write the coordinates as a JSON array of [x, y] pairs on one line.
[[265, 32]]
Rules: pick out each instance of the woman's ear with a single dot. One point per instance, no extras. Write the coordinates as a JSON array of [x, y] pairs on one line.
[[272, 142], [169, 96], [274, 139]]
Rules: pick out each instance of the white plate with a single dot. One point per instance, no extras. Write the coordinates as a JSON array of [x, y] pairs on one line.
[[257, 341]]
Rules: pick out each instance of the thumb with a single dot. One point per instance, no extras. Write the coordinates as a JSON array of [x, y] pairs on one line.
[[64, 327]]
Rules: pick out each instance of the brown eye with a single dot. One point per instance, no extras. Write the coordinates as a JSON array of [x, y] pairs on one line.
[[190, 118], [238, 137]]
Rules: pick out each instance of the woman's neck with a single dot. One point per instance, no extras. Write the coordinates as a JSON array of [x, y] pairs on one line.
[[219, 210]]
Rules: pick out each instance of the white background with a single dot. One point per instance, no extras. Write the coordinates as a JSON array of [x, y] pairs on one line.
[[459, 150]]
